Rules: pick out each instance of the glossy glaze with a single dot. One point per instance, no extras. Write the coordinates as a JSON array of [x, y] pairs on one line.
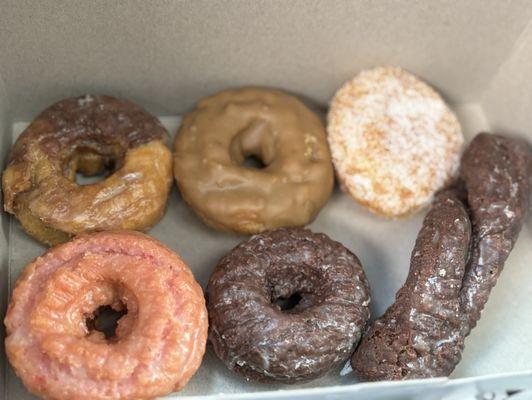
[[89, 134], [262, 342], [159, 343], [459, 254], [213, 142]]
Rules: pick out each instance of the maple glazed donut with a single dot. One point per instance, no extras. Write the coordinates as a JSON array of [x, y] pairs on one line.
[[287, 305], [157, 346], [214, 141], [91, 135], [394, 141]]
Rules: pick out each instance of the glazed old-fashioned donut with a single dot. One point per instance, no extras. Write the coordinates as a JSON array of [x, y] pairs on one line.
[[286, 306], [452, 271], [214, 141], [394, 141], [89, 134], [157, 346]]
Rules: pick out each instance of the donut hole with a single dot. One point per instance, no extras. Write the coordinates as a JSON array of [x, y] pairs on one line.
[[105, 320], [83, 180], [253, 161], [88, 166], [253, 146], [294, 287], [287, 303]]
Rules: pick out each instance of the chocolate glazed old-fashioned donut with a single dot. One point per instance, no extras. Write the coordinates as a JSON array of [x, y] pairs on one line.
[[451, 274], [265, 338], [89, 134], [214, 141]]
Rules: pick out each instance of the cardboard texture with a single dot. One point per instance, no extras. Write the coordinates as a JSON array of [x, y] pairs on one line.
[[5, 141], [166, 55], [508, 99]]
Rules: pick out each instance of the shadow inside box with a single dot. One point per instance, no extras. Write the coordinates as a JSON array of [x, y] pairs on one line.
[[528, 222], [200, 246], [214, 372], [332, 221], [382, 245]]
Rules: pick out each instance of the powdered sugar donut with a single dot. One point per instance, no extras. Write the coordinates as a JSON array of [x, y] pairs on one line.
[[157, 346], [394, 141]]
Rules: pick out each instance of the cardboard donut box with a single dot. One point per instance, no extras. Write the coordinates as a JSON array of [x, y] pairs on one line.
[[166, 55]]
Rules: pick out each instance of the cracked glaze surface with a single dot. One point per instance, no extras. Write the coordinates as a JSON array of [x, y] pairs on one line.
[[159, 343], [257, 339], [497, 174], [418, 336], [451, 272], [88, 134]]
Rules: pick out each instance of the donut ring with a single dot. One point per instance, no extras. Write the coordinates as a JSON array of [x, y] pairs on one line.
[[88, 134], [159, 343], [213, 142], [394, 141], [257, 338]]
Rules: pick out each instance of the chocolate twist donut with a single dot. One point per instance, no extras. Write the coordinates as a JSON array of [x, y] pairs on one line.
[[451, 275], [89, 134], [255, 337]]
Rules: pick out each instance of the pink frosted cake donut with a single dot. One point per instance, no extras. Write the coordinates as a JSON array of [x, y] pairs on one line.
[[394, 141], [157, 346]]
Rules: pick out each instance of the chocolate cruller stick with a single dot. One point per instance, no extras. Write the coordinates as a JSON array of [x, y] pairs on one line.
[[460, 252]]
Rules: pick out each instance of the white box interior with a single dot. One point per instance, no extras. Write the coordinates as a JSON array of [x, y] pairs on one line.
[[166, 55]]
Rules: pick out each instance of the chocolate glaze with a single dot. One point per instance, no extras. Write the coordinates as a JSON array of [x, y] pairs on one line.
[[422, 333], [91, 122], [497, 174], [258, 340], [88, 134], [418, 336]]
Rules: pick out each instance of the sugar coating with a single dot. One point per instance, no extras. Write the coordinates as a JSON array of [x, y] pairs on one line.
[[394, 141]]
